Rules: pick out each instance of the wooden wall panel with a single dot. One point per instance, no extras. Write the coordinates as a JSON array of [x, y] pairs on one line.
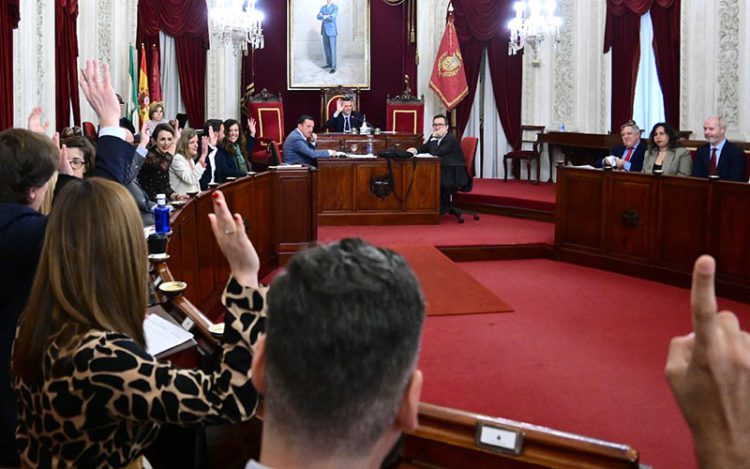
[[581, 194], [628, 218], [682, 238]]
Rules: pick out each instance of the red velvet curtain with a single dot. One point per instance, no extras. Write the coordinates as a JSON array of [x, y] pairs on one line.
[[9, 17], [66, 64], [622, 36], [481, 23], [187, 22]]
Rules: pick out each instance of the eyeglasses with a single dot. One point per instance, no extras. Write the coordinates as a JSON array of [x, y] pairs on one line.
[[438, 125], [76, 163]]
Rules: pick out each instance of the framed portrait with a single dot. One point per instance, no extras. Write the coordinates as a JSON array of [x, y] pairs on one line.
[[328, 44]]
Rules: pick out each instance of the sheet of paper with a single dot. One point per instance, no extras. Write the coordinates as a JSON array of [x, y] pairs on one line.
[[424, 155], [162, 335]]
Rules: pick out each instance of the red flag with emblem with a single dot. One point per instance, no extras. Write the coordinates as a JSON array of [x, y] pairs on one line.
[[155, 78], [448, 79]]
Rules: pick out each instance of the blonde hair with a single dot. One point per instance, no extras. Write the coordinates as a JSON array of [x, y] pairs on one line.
[[182, 144], [153, 107], [46, 206], [92, 274]]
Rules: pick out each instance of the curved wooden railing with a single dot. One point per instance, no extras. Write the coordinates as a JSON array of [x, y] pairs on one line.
[[280, 213]]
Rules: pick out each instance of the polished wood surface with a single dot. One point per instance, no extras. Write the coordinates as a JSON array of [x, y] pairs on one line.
[[345, 196], [279, 212], [343, 141], [446, 438], [655, 226]]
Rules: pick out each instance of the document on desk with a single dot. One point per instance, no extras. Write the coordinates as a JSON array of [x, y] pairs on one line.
[[424, 155], [162, 335], [359, 157], [287, 166]]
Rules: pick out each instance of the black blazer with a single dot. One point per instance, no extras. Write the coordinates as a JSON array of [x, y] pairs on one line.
[[453, 174], [336, 124], [636, 161], [731, 163]]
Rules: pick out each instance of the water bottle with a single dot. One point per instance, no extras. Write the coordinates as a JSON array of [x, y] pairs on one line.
[[161, 215], [363, 129], [562, 126], [369, 145]]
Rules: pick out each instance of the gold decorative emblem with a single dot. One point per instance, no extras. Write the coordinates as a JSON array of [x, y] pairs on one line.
[[449, 64]]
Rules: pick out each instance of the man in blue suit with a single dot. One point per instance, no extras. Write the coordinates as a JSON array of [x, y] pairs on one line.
[[299, 146], [628, 156], [719, 156], [327, 15]]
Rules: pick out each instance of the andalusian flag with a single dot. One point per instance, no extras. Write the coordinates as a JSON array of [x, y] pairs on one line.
[[143, 98], [448, 75], [133, 95]]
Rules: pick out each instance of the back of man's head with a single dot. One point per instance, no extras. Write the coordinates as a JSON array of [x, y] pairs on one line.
[[343, 330]]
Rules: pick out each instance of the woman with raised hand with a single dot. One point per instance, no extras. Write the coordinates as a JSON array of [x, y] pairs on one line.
[[89, 394], [232, 158], [187, 167]]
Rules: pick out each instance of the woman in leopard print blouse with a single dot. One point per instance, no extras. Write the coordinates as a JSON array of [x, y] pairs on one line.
[[89, 393]]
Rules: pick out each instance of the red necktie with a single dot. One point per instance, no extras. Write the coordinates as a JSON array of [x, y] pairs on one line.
[[630, 153], [712, 164]]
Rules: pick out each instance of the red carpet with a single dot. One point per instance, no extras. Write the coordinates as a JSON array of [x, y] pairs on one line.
[[584, 353], [489, 230], [517, 194], [465, 295]]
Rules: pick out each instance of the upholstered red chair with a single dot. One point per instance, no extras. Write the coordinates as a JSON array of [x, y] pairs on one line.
[[469, 149], [529, 136], [328, 97], [268, 110], [405, 113], [89, 131]]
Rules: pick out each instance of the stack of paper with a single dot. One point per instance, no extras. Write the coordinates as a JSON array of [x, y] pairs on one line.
[[162, 335]]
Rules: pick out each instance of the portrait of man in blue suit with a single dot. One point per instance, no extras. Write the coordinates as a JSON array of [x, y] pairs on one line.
[[327, 16]]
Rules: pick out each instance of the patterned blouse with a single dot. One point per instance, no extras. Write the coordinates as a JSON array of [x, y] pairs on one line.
[[154, 174], [102, 400]]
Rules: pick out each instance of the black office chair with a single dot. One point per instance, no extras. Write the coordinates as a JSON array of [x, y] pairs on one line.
[[469, 149]]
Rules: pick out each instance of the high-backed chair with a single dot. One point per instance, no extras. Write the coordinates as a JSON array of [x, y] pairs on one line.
[[405, 112], [469, 149], [268, 110], [328, 97], [529, 136], [89, 131]]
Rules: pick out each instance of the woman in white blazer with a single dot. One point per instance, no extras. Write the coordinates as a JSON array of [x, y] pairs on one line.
[[184, 172], [665, 154]]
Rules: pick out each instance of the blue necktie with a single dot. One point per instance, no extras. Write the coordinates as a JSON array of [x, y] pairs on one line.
[[347, 125]]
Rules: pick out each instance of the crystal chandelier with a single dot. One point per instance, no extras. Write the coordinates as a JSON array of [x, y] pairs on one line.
[[236, 23], [534, 20]]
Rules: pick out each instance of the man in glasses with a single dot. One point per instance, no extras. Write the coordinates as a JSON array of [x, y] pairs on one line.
[[443, 144]]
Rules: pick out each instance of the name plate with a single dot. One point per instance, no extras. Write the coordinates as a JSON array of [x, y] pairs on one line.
[[497, 438]]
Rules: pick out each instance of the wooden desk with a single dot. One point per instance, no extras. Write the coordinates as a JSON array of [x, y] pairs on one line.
[[343, 141], [580, 148], [345, 195], [655, 226]]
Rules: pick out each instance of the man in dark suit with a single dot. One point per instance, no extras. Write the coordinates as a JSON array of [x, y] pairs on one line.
[[628, 156], [299, 146], [443, 144], [345, 118], [719, 156]]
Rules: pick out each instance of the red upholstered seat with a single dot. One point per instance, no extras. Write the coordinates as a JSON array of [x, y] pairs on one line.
[[268, 110], [405, 112], [529, 135], [89, 130], [469, 149]]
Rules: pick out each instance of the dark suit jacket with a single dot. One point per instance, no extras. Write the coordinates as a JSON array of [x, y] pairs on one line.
[[336, 124], [731, 163], [226, 166], [636, 161], [453, 174]]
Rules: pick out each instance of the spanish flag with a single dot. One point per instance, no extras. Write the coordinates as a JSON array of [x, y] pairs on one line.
[[143, 97], [448, 79]]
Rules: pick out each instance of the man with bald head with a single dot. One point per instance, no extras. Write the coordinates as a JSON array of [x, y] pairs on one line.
[[719, 156]]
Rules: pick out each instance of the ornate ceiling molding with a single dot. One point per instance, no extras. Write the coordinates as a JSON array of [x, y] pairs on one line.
[[104, 31]]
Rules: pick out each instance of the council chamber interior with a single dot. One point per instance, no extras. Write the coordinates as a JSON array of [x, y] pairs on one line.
[[553, 281]]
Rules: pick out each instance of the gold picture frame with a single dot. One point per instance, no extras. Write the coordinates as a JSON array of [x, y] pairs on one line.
[[306, 54]]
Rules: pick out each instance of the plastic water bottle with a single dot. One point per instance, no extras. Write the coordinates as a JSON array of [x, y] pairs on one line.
[[161, 215], [562, 126], [369, 145]]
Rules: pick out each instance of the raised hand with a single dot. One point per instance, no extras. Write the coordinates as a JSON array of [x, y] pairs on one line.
[[34, 122], [145, 135], [204, 147], [251, 126], [339, 106], [709, 372], [99, 94], [63, 167], [212, 137], [229, 231], [177, 134]]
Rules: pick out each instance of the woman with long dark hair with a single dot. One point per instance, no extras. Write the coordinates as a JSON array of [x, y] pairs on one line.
[[233, 157], [665, 154]]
